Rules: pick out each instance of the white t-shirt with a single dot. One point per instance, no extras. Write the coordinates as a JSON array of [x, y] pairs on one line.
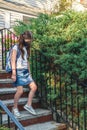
[[21, 63]]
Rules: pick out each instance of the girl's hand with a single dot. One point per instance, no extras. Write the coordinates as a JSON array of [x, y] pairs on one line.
[[13, 77]]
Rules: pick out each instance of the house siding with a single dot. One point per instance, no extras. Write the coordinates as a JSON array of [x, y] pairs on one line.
[[12, 10], [14, 17], [2, 19], [8, 18]]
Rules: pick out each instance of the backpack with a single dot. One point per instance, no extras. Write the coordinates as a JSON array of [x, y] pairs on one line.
[[8, 67]]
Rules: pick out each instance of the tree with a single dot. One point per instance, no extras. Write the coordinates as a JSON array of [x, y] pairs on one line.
[[62, 5]]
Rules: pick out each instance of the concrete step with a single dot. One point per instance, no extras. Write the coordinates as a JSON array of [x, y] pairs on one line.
[[6, 83], [51, 125], [28, 119], [4, 74], [0, 67], [8, 93], [22, 102], [2, 71], [0, 61], [10, 90]]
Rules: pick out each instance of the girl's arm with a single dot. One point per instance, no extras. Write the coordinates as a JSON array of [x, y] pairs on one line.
[[13, 64]]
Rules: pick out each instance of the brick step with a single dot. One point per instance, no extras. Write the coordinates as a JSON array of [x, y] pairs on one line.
[[50, 125], [22, 102], [6, 83], [4, 74], [28, 119], [8, 93]]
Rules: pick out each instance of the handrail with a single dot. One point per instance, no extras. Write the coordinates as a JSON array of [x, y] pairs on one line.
[[17, 123], [7, 29]]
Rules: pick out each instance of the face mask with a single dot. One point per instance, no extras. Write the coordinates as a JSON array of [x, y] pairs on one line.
[[26, 44]]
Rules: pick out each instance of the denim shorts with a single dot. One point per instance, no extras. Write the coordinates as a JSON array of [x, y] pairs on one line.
[[23, 77]]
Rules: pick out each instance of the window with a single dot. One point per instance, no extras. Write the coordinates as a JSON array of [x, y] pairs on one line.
[[26, 19]]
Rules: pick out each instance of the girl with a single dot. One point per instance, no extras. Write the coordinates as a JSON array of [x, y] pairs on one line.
[[21, 72]]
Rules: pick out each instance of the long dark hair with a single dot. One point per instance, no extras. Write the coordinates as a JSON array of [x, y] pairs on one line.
[[25, 35]]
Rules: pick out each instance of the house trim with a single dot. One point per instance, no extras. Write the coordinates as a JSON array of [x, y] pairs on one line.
[[18, 11]]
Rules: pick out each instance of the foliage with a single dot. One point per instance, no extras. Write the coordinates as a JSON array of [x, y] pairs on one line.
[[20, 27], [64, 4], [4, 128], [62, 38]]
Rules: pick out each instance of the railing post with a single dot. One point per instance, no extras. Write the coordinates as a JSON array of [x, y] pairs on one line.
[[71, 91], [84, 105], [0, 117], [77, 89], [8, 121], [15, 127]]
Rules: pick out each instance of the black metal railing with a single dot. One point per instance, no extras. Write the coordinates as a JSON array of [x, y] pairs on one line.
[[7, 39], [64, 94], [10, 118]]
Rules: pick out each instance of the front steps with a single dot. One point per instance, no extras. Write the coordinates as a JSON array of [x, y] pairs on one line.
[[42, 121], [27, 119], [51, 125]]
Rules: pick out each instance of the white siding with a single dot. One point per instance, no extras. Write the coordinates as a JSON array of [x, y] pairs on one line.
[[33, 3], [41, 4], [7, 19], [2, 19], [14, 17]]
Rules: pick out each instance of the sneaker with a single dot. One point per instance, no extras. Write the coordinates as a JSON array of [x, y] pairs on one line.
[[30, 109], [16, 112]]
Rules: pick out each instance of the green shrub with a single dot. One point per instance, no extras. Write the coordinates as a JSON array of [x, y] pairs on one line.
[[62, 38], [4, 128]]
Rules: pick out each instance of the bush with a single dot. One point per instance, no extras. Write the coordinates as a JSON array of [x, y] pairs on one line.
[[62, 38], [4, 128]]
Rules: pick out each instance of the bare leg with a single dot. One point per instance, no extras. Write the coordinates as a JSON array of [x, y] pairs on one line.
[[33, 88], [17, 95]]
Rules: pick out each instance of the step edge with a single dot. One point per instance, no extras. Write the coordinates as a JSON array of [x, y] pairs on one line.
[[6, 80], [21, 101], [10, 90], [30, 116]]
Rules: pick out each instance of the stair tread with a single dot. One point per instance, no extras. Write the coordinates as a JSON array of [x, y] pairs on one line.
[[51, 125], [2, 71], [8, 80], [10, 90], [26, 115], [21, 101]]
